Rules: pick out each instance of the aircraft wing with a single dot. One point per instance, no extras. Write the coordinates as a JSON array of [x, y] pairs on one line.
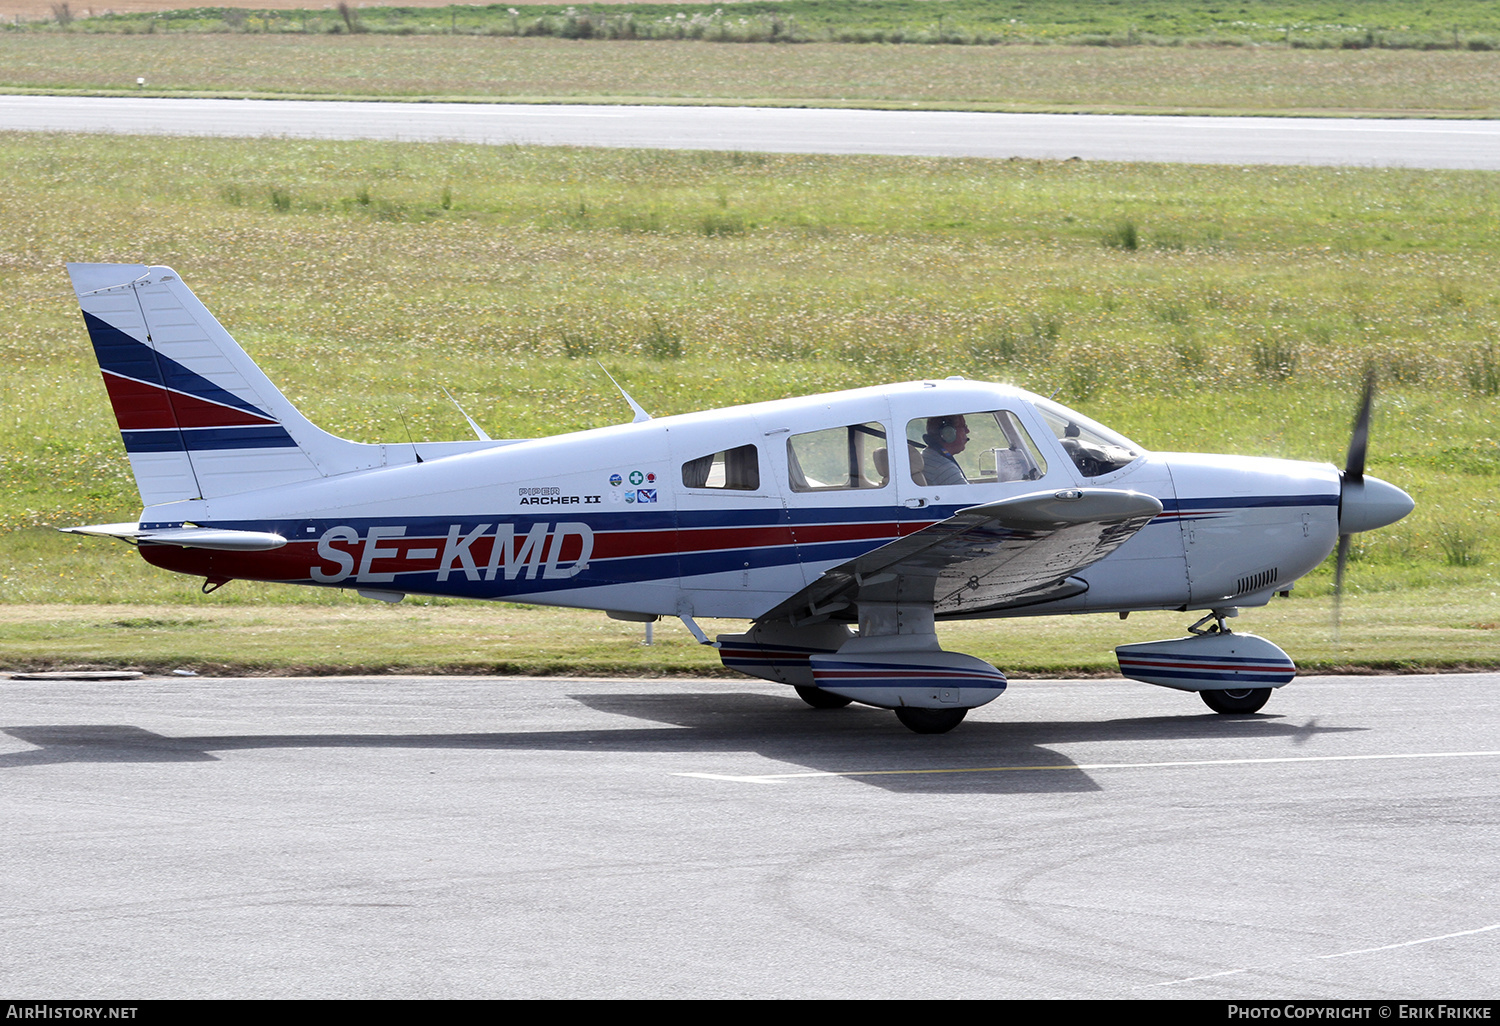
[[983, 557]]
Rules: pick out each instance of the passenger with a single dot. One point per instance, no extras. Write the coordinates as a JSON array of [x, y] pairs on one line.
[[945, 438]]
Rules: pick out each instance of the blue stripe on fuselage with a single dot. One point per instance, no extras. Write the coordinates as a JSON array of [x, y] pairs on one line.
[[667, 563], [1216, 504], [665, 518]]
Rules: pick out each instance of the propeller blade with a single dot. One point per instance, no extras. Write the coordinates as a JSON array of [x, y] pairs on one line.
[[1366, 503], [1359, 442], [1354, 474], [1338, 581]]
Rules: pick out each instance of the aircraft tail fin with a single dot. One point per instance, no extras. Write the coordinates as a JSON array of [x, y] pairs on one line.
[[198, 417]]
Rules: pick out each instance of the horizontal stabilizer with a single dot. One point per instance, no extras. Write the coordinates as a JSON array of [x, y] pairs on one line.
[[187, 536]]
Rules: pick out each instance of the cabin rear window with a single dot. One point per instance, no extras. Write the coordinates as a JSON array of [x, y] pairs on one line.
[[733, 469], [839, 459]]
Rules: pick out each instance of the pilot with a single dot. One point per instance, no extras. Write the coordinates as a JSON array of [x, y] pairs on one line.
[[945, 438]]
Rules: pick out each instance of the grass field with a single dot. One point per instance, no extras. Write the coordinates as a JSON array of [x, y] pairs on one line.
[[1210, 309], [1452, 629], [1408, 24], [1313, 57], [1139, 79]]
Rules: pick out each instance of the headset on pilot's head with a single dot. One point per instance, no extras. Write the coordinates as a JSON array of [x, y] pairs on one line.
[[944, 428]]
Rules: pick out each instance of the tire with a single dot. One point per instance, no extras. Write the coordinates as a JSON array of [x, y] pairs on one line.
[[930, 721], [1236, 701], [820, 699]]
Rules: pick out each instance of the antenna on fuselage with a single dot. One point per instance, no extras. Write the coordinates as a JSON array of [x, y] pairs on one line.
[[478, 431], [640, 414], [407, 428]]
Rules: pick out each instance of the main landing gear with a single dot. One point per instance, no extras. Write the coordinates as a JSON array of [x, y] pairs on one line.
[[820, 699], [922, 721], [894, 663]]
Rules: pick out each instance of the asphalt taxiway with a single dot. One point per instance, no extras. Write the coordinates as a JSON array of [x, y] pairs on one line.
[[462, 837], [1358, 142]]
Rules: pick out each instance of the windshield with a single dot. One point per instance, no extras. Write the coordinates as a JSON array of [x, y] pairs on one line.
[[1094, 449]]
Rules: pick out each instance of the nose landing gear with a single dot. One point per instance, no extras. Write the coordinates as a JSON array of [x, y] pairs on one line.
[[1237, 702], [1233, 673]]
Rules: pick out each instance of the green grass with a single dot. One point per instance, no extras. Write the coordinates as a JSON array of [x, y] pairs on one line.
[[1428, 24], [1454, 628], [1262, 80], [366, 276]]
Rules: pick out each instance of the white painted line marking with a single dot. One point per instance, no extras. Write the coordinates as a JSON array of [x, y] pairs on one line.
[[560, 111], [1413, 943], [776, 778], [1340, 954]]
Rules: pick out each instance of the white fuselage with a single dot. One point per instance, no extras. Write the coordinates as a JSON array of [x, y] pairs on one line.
[[627, 518]]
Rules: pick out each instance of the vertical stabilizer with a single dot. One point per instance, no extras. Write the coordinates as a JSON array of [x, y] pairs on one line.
[[198, 417]]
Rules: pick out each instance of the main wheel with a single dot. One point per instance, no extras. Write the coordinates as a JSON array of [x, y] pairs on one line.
[[930, 721], [1238, 702], [820, 699]]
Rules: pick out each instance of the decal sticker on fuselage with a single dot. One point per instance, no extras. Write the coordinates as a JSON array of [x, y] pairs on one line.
[[554, 497]]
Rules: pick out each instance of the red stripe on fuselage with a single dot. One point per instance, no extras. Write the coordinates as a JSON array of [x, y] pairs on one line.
[[294, 561]]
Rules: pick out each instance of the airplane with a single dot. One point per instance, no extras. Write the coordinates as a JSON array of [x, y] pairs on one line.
[[842, 527]]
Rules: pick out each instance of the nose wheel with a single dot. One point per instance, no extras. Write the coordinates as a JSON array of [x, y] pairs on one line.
[[1236, 702]]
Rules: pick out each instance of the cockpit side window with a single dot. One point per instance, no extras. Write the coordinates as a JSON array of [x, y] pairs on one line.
[[839, 459], [1094, 449], [733, 469], [972, 448]]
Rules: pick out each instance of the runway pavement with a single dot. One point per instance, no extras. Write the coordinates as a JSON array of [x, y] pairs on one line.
[[1330, 141], [462, 837]]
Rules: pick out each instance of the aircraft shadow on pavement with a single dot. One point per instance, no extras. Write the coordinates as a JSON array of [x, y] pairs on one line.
[[858, 743]]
